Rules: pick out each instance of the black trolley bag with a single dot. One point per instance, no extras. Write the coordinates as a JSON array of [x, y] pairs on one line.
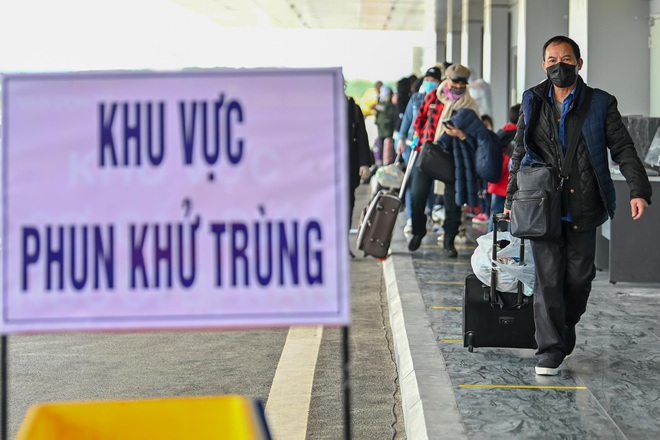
[[379, 217], [497, 319]]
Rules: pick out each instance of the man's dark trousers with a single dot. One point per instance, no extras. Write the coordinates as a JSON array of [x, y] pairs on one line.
[[564, 272], [420, 190]]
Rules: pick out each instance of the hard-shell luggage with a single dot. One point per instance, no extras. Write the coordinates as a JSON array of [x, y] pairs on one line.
[[379, 217], [497, 319]]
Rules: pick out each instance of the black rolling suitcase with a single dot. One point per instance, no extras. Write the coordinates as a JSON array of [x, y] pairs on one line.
[[379, 217], [496, 319]]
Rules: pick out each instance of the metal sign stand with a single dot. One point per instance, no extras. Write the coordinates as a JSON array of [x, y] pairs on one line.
[[5, 388], [346, 385]]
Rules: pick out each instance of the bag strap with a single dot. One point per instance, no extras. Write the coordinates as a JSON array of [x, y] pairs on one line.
[[571, 147]]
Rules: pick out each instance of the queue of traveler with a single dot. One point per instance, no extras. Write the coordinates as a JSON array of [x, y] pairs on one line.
[[442, 111], [421, 103]]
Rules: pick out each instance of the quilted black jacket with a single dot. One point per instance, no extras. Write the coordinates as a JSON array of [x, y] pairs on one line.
[[589, 191]]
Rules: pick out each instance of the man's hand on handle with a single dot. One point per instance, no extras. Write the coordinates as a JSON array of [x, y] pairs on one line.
[[365, 173], [401, 147]]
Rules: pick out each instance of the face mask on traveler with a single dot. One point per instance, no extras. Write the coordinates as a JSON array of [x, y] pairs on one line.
[[428, 86], [562, 75], [458, 91]]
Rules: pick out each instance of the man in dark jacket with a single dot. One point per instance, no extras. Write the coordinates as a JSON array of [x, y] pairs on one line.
[[360, 158], [565, 267]]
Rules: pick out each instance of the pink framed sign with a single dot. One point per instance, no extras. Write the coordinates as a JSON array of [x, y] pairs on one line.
[[190, 199]]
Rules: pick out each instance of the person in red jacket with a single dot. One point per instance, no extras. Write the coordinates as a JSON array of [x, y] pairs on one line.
[[498, 190]]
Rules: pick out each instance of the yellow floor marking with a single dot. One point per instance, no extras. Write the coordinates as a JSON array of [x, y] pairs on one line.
[[449, 283], [451, 340], [437, 246], [445, 308], [523, 387], [290, 394], [457, 263]]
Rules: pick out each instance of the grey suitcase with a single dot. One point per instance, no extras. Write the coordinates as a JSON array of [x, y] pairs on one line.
[[379, 217]]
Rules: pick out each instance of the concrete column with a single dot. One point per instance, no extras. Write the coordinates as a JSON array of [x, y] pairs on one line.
[[654, 43], [591, 25], [496, 56], [538, 21], [453, 43], [440, 23], [418, 61], [654, 88], [472, 23]]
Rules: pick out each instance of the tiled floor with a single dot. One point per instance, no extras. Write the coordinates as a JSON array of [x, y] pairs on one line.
[[608, 389]]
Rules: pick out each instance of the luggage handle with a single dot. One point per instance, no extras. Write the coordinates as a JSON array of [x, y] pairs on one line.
[[497, 218], [411, 164]]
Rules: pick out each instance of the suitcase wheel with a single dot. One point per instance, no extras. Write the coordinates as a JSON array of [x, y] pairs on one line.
[[469, 339]]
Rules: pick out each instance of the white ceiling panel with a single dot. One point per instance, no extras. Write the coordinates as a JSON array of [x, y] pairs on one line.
[[392, 15]]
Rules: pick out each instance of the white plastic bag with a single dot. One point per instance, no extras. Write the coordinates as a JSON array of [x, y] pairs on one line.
[[390, 176], [507, 265]]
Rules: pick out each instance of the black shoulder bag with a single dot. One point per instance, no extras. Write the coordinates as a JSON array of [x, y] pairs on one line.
[[536, 205], [436, 162]]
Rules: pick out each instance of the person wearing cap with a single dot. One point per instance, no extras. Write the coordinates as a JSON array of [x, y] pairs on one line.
[[450, 96], [565, 266], [429, 82]]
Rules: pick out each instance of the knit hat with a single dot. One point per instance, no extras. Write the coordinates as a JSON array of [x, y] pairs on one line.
[[434, 72], [458, 73]]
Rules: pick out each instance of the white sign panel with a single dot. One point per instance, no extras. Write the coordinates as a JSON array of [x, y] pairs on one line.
[[201, 199]]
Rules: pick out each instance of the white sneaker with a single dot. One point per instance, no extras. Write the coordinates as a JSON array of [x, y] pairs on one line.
[[407, 229], [438, 215], [547, 367], [460, 239]]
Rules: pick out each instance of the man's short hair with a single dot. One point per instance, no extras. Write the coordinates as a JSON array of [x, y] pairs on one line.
[[514, 112], [562, 39]]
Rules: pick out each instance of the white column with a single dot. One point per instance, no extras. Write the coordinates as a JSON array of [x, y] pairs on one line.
[[538, 21], [654, 71], [472, 22], [440, 26], [604, 28], [654, 43], [453, 43], [496, 56]]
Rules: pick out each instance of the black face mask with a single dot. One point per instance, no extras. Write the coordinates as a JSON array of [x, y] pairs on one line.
[[562, 75], [457, 91]]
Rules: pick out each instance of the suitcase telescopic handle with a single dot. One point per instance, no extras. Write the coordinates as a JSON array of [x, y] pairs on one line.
[[497, 219], [406, 175]]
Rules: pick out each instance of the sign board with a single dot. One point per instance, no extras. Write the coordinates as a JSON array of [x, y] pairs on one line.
[[193, 199]]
